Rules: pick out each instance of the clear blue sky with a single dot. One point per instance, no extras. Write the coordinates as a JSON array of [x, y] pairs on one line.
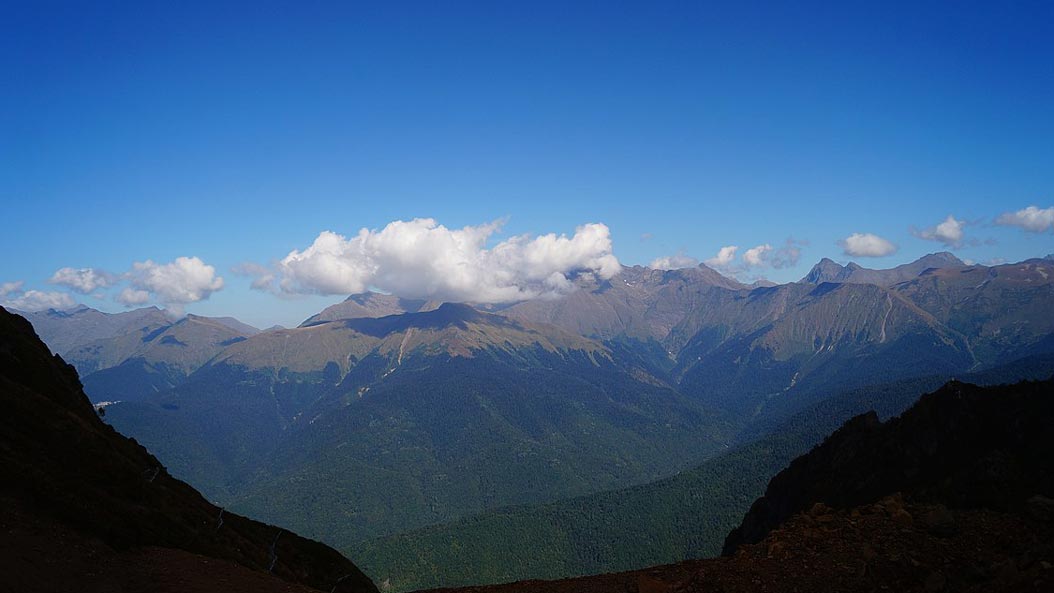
[[236, 132]]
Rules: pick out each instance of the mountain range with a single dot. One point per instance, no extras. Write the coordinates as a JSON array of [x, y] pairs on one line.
[[382, 416], [829, 271]]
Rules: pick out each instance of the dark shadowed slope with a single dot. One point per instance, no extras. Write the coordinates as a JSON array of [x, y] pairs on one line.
[[955, 495], [86, 508], [685, 516], [964, 446]]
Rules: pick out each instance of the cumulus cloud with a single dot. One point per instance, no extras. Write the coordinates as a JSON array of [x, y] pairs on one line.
[[1032, 219], [83, 280], [949, 232], [421, 258], [130, 297], [673, 262], [767, 256], [7, 288], [756, 256], [35, 300], [724, 257], [263, 277], [866, 245], [177, 283], [788, 255], [14, 297], [760, 257]]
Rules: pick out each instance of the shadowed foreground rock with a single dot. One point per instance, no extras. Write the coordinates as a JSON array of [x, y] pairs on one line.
[[84, 508], [964, 446]]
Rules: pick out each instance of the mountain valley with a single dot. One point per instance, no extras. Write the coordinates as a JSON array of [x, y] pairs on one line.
[[430, 438]]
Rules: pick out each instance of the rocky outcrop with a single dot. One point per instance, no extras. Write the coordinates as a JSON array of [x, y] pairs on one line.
[[963, 446], [71, 485]]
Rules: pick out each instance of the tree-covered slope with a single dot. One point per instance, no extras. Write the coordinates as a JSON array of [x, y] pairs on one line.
[[352, 429], [685, 516]]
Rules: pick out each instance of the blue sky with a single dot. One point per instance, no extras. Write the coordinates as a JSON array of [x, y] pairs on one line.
[[237, 133]]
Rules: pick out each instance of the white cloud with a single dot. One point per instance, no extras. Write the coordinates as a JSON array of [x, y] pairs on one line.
[[131, 297], [262, 276], [788, 255], [673, 262], [185, 280], [949, 232], [35, 300], [423, 259], [756, 256], [866, 245], [1031, 219], [724, 257], [7, 288], [83, 280]]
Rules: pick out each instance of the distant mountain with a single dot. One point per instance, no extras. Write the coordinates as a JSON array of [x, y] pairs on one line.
[[368, 304], [829, 271], [1004, 312], [392, 423], [88, 509], [182, 346], [774, 347], [744, 351], [152, 359], [639, 304], [126, 355], [242, 328], [63, 330]]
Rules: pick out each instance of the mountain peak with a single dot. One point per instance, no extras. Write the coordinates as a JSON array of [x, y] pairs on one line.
[[826, 270], [366, 304], [829, 271], [941, 259], [227, 322], [445, 315]]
